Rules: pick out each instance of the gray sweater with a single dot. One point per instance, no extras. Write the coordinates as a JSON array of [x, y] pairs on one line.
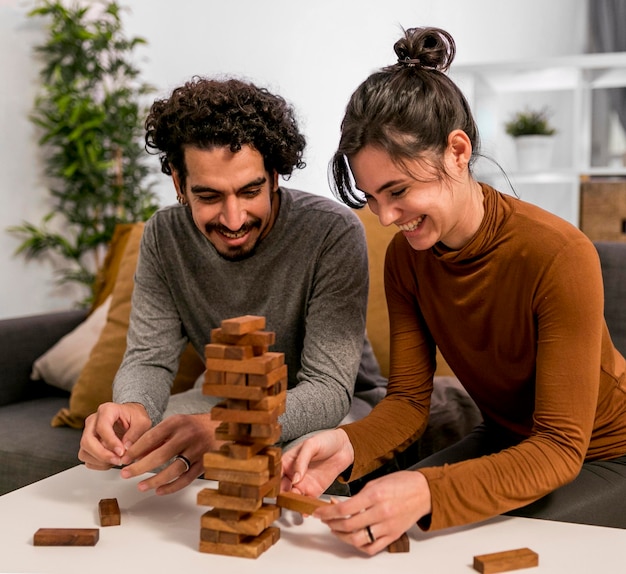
[[308, 277]]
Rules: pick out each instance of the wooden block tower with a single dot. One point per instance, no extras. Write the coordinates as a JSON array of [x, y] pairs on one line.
[[253, 382]]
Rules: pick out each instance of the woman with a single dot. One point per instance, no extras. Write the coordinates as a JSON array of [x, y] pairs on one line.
[[512, 296]]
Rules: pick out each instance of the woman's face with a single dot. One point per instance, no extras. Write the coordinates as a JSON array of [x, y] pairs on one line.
[[427, 207]]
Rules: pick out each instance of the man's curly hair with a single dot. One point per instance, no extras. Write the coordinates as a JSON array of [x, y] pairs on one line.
[[206, 113]]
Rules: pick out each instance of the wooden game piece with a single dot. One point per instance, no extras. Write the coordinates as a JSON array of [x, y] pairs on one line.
[[247, 548], [214, 377], [229, 432], [268, 379], [250, 491], [402, 544], [251, 524], [255, 339], [244, 450], [243, 325], [269, 403], [235, 379], [242, 477], [299, 502], [221, 460], [261, 365], [239, 352], [505, 561], [215, 351], [234, 391], [221, 412], [66, 537], [264, 430], [212, 497], [109, 512]]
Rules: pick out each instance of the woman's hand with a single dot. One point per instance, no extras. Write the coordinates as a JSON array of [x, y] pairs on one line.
[[378, 515], [311, 466]]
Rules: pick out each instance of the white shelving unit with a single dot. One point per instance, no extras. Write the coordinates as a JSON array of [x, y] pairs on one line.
[[565, 86]]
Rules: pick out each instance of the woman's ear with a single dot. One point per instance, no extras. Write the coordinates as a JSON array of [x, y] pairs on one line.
[[459, 149]]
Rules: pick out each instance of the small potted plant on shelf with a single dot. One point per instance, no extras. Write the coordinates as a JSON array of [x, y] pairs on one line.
[[534, 138]]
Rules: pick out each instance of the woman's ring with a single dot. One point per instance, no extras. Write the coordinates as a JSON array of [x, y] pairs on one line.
[[370, 535], [185, 461]]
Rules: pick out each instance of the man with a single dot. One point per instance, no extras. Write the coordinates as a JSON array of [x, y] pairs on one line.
[[237, 244]]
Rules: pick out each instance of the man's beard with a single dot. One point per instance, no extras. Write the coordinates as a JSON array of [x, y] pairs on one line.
[[235, 253]]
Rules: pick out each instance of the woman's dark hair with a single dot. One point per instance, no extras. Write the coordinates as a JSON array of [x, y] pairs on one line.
[[407, 109], [231, 113]]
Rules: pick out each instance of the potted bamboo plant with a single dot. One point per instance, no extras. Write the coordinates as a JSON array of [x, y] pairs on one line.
[[534, 138]]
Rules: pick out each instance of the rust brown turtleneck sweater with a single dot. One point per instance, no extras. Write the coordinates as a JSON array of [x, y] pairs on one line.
[[518, 316]]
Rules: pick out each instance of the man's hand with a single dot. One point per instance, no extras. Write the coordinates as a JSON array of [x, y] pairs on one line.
[[311, 466], [187, 435], [109, 432]]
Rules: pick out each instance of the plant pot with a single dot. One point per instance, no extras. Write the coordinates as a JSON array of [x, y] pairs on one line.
[[534, 153]]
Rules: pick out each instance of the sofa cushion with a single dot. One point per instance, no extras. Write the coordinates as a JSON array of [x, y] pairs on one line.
[[61, 365], [94, 385], [613, 262]]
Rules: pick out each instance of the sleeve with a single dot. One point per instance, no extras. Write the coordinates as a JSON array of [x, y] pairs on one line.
[[568, 307], [334, 332], [155, 338], [401, 417]]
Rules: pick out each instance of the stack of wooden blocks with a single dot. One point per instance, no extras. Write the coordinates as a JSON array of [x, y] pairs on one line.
[[253, 382]]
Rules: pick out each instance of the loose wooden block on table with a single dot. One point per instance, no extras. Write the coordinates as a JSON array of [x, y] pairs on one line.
[[506, 561], [402, 544], [109, 512], [66, 537]]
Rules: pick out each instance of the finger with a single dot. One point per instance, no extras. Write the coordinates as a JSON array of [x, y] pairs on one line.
[[182, 481], [361, 540], [92, 450], [152, 449], [301, 460], [172, 478]]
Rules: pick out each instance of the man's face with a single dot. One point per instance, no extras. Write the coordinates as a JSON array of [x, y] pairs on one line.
[[232, 197]]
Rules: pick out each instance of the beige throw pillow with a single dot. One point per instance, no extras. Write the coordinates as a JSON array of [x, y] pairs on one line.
[[60, 366]]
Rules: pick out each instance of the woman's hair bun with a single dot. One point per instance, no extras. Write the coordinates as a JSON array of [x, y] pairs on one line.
[[426, 47]]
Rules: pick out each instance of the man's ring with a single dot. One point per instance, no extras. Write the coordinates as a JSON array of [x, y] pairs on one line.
[[370, 535], [186, 462]]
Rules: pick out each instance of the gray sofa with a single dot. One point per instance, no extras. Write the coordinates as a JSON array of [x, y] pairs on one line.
[[30, 449]]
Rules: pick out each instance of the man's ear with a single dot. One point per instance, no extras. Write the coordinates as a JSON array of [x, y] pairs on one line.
[[177, 185], [274, 181]]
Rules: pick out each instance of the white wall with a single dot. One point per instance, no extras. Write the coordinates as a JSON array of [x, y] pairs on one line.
[[313, 53]]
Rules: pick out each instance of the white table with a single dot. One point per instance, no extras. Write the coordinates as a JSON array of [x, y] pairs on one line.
[[161, 534]]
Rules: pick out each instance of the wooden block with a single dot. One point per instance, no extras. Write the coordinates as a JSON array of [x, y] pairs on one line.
[[248, 548], [239, 352], [241, 432], [215, 351], [269, 403], [234, 391], [268, 379], [255, 339], [299, 502], [244, 450], [243, 325], [212, 497], [505, 561], [221, 412], [241, 477], [402, 544], [264, 430], [220, 459], [66, 537], [214, 377], [251, 524], [256, 365], [208, 535], [235, 379], [109, 512], [250, 491]]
